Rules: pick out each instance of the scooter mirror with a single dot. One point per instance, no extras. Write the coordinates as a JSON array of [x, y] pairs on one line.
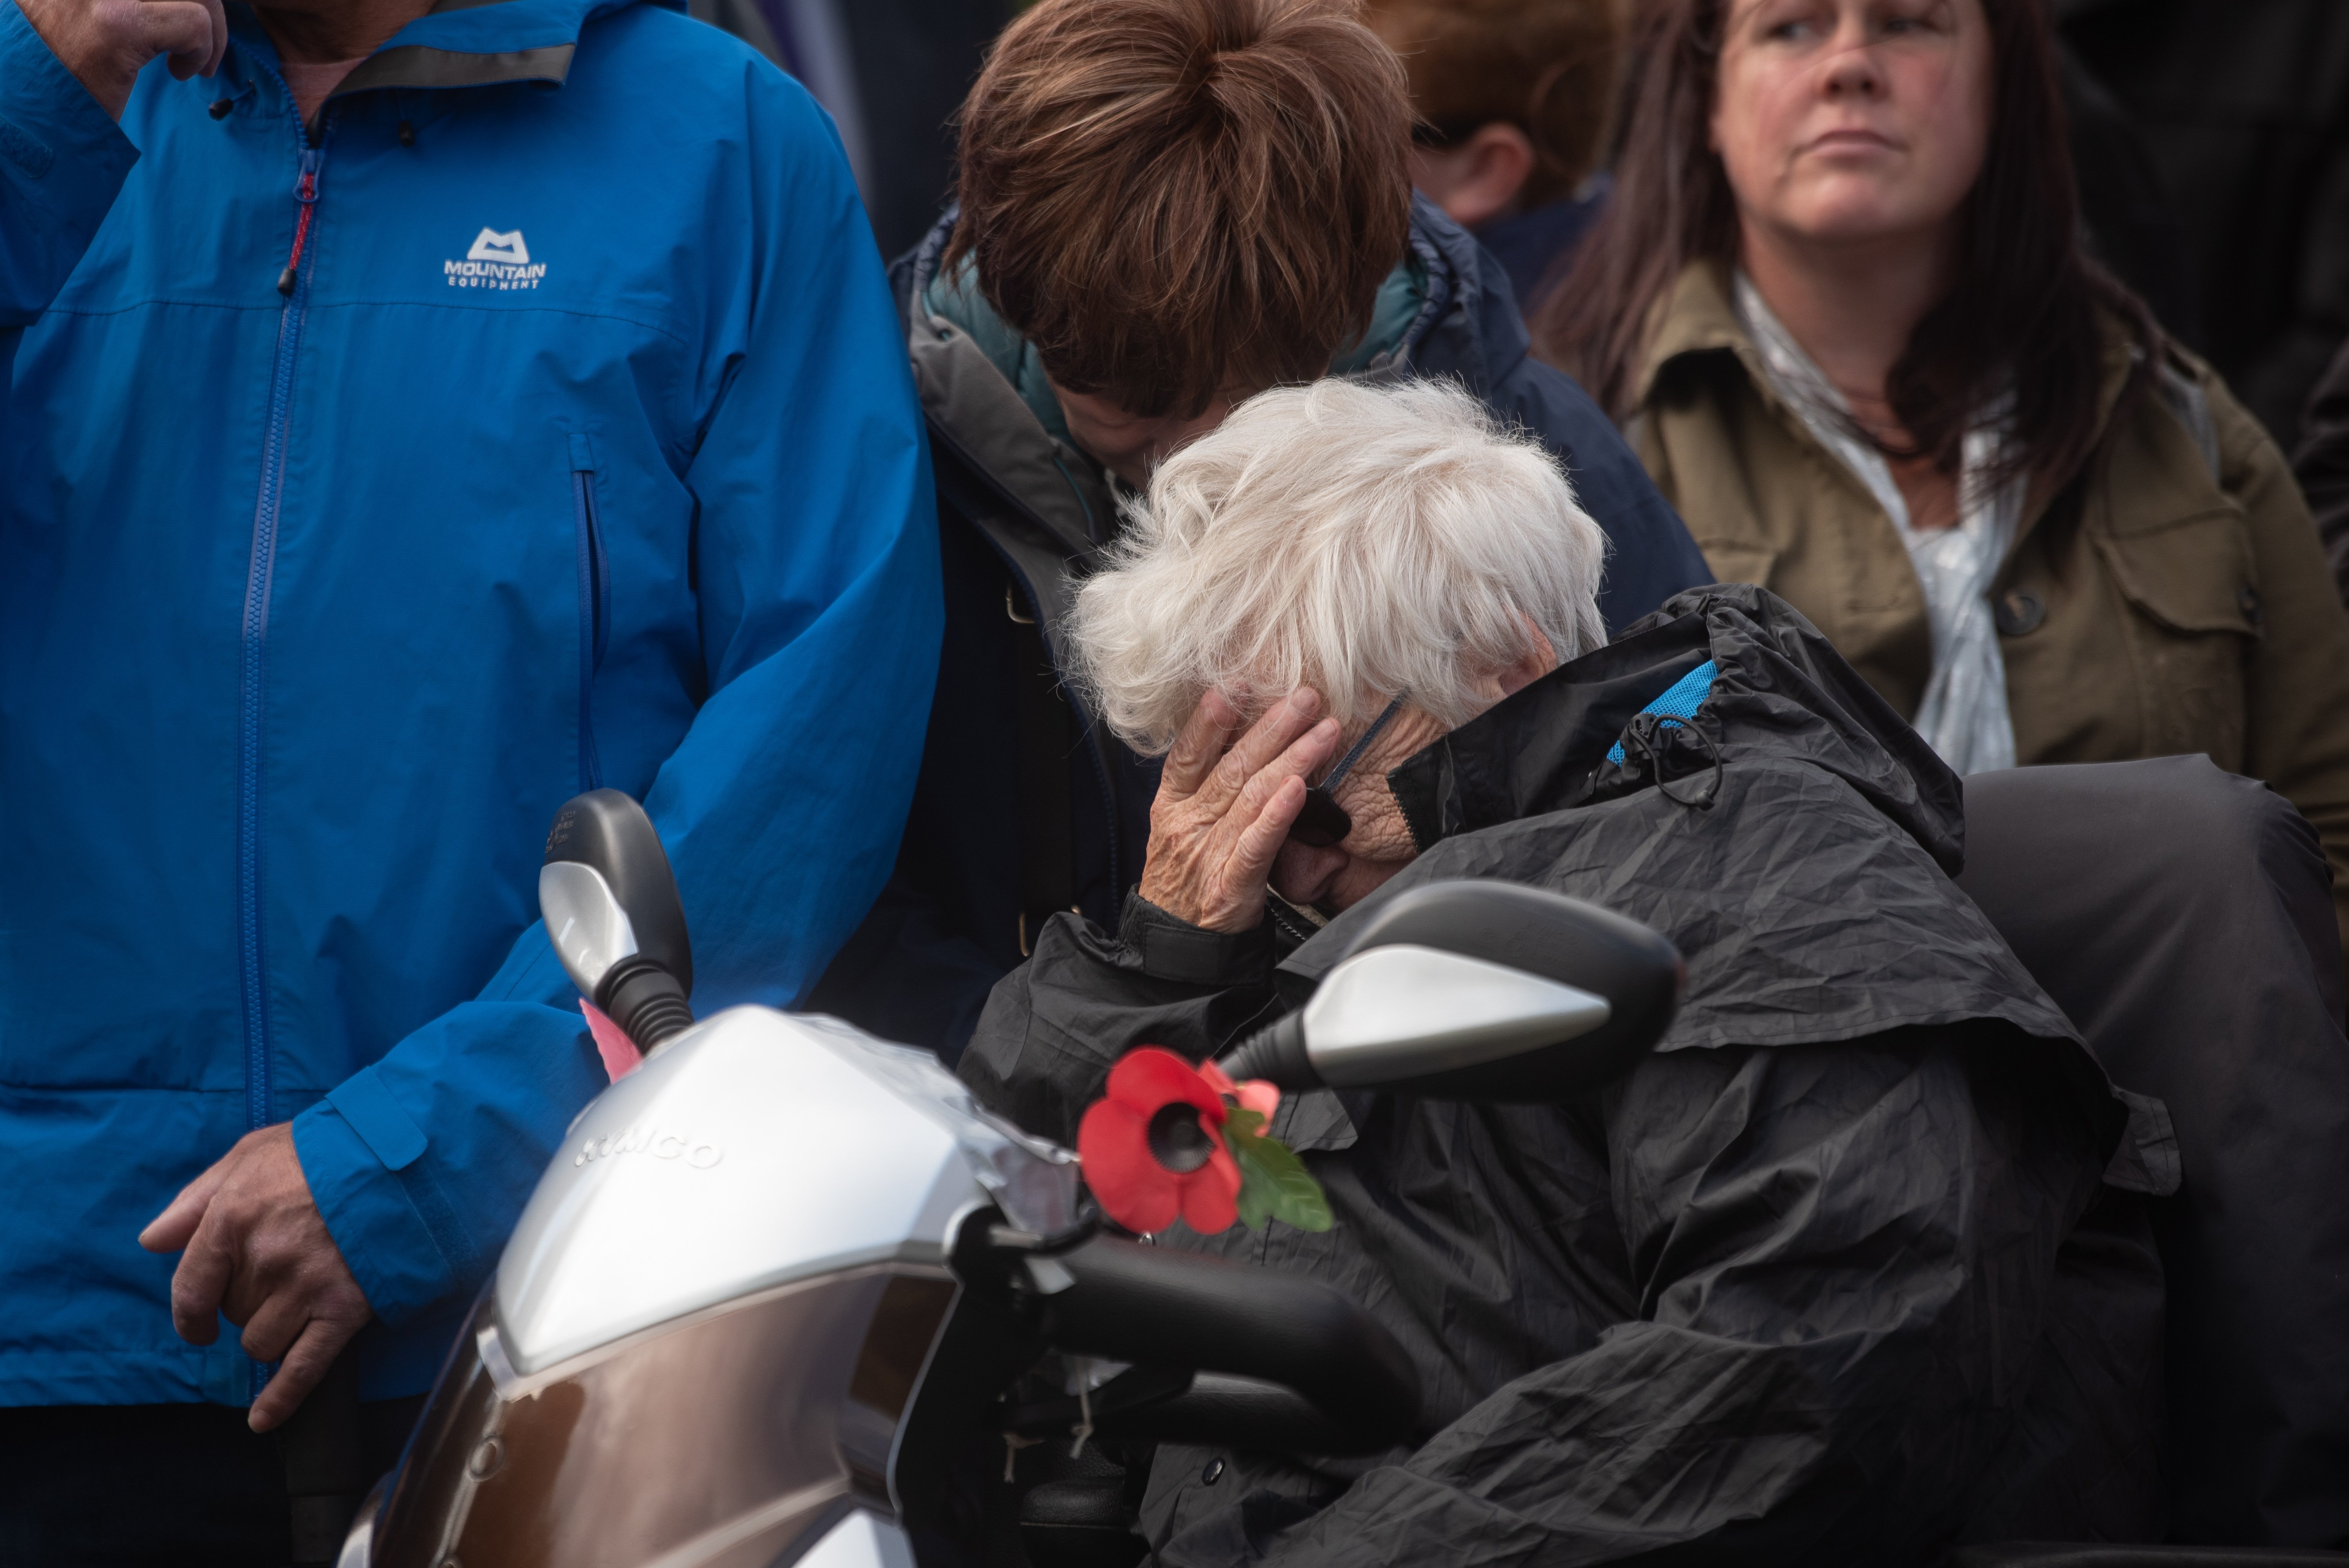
[[1477, 991], [591, 932], [613, 914], [1395, 1014]]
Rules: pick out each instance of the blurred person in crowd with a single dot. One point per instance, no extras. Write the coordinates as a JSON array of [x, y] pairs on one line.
[[2244, 107], [1515, 99], [431, 416], [2321, 464], [1167, 206], [1840, 302], [1778, 1296]]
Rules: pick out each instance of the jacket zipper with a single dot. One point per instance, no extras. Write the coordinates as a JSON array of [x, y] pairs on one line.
[[594, 606], [293, 283], [306, 191]]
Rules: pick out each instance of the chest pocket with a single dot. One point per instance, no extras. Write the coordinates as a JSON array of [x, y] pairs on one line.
[[2194, 599], [1739, 561]]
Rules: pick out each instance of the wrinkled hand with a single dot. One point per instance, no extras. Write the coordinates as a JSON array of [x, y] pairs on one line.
[[257, 1250], [105, 43], [1222, 811]]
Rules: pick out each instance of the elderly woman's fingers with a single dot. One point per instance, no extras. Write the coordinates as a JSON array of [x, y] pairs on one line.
[[1249, 864], [1269, 736], [1200, 746], [1221, 814], [1300, 757], [1271, 782]]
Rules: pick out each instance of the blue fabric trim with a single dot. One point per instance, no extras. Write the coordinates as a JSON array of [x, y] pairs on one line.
[[1680, 702], [51, 119], [389, 1245], [378, 1119], [51, 109], [29, 153]]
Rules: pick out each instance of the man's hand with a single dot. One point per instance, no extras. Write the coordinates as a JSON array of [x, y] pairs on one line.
[[1221, 816], [105, 43], [257, 1250]]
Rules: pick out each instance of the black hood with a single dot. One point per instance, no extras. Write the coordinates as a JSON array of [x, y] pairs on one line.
[[1781, 691], [1793, 836]]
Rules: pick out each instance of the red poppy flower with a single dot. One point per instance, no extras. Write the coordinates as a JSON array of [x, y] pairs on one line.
[[1154, 1148]]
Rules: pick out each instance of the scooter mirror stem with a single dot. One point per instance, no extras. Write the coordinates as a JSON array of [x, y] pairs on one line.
[[613, 914], [1276, 1054]]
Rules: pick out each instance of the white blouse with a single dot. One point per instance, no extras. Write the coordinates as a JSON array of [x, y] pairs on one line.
[[1963, 715]]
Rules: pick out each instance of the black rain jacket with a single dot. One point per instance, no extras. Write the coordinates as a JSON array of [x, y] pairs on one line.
[[1785, 1293]]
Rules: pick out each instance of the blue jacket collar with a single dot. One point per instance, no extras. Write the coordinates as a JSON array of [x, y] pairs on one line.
[[469, 43]]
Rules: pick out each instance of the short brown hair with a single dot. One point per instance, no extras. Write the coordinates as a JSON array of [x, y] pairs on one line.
[[1546, 66], [1171, 199]]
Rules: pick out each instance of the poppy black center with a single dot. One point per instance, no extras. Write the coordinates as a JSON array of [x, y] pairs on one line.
[[1177, 1142]]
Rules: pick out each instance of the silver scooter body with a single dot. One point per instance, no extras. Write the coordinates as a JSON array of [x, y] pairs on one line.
[[781, 1249], [707, 1331]]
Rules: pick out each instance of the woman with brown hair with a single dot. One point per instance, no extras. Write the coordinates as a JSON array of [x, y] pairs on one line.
[[1840, 304]]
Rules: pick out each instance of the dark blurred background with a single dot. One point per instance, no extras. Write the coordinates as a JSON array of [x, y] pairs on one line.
[[892, 72], [2212, 139]]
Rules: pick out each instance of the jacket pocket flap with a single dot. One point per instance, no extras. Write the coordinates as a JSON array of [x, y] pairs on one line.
[[2193, 576], [379, 1121], [1739, 561]]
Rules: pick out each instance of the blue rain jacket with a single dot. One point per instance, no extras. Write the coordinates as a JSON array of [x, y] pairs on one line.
[[582, 451]]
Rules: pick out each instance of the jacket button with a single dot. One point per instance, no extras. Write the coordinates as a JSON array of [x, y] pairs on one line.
[[2250, 601], [2019, 613], [1213, 1473]]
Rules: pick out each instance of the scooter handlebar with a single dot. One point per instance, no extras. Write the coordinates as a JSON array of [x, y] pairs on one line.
[[1156, 1306]]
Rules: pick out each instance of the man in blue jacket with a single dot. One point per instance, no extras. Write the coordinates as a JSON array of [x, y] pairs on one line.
[[1165, 208], [457, 408]]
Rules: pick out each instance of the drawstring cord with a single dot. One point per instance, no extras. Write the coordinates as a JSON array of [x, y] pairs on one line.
[[1643, 737]]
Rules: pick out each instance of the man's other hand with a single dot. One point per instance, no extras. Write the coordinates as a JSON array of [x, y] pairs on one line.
[[105, 43], [257, 1252]]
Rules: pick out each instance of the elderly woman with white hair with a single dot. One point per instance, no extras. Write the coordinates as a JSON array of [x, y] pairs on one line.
[[1384, 571], [1782, 1294]]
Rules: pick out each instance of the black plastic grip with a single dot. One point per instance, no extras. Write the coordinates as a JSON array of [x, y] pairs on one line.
[[1150, 1305], [1221, 1407], [1275, 1053], [646, 1000]]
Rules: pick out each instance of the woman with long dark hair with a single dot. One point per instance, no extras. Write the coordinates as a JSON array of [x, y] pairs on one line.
[[1841, 302]]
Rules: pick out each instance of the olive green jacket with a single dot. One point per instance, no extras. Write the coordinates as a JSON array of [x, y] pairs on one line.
[[2174, 599]]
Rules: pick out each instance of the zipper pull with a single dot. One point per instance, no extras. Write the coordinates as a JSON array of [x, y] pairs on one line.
[[305, 191]]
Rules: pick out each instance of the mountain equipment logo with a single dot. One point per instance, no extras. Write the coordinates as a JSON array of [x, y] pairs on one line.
[[496, 262], [492, 246]]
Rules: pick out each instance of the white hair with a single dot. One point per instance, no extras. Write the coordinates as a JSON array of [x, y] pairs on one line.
[[1372, 541]]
